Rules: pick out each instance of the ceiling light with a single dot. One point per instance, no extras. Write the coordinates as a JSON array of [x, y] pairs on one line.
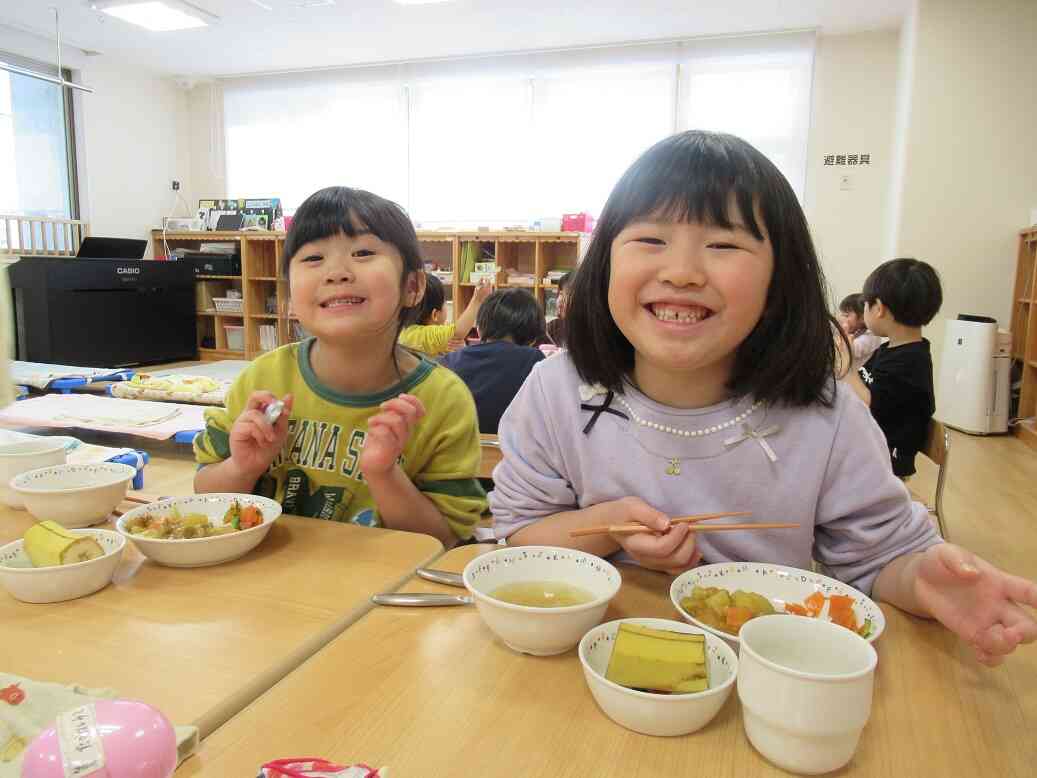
[[158, 16]]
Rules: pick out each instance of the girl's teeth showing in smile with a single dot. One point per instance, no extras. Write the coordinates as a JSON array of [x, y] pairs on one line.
[[340, 302], [680, 314]]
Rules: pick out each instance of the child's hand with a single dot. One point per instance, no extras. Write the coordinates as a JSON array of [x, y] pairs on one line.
[[672, 551], [253, 441], [981, 604], [387, 434]]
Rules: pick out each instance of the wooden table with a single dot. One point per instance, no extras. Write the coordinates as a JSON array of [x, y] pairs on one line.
[[431, 692], [200, 644]]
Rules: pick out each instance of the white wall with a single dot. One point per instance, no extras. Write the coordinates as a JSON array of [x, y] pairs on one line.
[[130, 135], [853, 113], [970, 163]]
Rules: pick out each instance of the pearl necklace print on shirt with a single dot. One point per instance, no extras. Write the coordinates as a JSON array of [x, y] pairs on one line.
[[690, 433], [673, 465]]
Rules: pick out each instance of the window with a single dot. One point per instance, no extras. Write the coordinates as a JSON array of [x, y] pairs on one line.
[[289, 141], [512, 138], [589, 127], [36, 144], [761, 97], [469, 147]]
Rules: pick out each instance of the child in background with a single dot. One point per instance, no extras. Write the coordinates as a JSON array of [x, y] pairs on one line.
[[370, 433], [699, 377], [900, 297], [556, 327], [851, 319], [430, 335], [509, 323]]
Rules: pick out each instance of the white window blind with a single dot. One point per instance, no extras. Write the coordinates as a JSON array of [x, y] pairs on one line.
[[292, 139], [469, 151], [507, 139], [589, 127], [756, 88]]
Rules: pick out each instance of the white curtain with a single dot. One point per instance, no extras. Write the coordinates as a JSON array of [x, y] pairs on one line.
[[511, 138]]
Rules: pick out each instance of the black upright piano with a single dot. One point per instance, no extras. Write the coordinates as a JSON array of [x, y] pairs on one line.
[[103, 312]]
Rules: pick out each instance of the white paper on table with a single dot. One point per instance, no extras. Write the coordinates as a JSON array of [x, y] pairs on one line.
[[157, 420]]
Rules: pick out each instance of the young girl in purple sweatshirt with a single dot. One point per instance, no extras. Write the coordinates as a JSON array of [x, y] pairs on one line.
[[699, 377]]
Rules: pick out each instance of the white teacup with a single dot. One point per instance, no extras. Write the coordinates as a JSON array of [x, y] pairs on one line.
[[805, 687], [23, 456]]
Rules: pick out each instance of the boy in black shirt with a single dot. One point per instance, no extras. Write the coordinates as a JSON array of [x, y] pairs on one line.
[[900, 297], [509, 323]]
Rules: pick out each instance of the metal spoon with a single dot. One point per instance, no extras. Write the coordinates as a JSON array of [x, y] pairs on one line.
[[420, 599], [441, 576], [273, 411]]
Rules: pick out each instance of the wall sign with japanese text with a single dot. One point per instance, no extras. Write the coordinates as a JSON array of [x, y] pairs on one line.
[[839, 160]]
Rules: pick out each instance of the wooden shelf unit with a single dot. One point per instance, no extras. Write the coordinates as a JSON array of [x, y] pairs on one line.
[[1024, 331], [524, 252], [260, 278]]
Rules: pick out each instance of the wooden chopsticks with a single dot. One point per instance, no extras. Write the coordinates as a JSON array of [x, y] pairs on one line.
[[632, 528]]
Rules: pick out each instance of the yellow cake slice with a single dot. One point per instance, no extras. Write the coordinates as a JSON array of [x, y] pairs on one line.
[[658, 660]]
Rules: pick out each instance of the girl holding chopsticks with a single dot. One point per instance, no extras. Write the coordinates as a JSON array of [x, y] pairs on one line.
[[700, 377]]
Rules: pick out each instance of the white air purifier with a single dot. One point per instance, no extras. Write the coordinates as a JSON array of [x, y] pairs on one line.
[[974, 376]]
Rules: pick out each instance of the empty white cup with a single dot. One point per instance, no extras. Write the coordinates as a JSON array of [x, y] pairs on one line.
[[23, 456], [805, 687]]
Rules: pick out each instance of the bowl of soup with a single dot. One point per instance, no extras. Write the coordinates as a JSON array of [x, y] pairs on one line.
[[541, 600]]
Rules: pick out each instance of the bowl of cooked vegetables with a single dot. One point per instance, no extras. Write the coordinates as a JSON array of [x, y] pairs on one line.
[[202, 530], [723, 597]]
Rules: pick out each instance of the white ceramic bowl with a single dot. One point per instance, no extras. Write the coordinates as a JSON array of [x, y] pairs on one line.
[[74, 495], [25, 455], [657, 714], [777, 583], [64, 582], [806, 689], [201, 552], [540, 631]]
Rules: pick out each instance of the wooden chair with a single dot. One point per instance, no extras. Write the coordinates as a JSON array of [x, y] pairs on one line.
[[491, 454], [938, 450]]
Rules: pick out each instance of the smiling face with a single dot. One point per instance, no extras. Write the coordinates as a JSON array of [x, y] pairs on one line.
[[686, 295], [347, 288]]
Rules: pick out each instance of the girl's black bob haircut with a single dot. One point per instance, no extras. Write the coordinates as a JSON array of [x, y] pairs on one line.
[[789, 357], [343, 210]]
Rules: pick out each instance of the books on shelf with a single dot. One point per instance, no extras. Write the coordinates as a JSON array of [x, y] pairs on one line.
[[267, 337], [218, 248]]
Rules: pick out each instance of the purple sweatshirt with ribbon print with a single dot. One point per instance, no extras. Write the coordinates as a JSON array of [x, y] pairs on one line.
[[825, 468]]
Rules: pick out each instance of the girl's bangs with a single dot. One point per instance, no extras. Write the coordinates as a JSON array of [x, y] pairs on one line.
[[694, 179]]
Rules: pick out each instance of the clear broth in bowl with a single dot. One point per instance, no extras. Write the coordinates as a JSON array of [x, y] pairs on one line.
[[542, 594]]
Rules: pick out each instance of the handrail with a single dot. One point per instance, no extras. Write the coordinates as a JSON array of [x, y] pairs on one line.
[[41, 236]]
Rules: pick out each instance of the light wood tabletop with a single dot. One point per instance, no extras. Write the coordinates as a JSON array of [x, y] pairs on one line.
[[431, 692], [200, 644]]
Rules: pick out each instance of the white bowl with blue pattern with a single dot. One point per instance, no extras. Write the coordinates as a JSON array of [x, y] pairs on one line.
[[533, 630], [651, 713], [778, 583]]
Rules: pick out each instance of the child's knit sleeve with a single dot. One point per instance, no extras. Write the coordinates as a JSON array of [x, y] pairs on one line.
[[431, 339], [212, 444], [865, 516], [530, 481]]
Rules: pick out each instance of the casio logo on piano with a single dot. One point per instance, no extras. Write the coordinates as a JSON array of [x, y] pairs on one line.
[[128, 271]]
